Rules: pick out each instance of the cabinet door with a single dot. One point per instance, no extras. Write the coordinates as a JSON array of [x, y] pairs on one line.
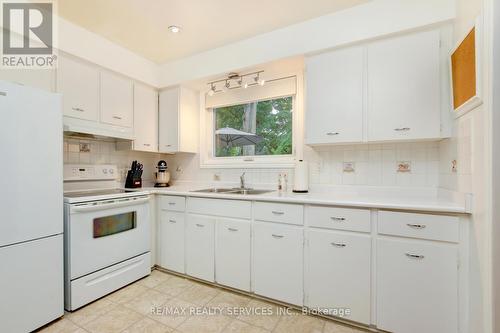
[[200, 247], [233, 253], [169, 120], [145, 118], [404, 87], [335, 97], [78, 83], [117, 100], [172, 229], [417, 286], [330, 288], [277, 262]]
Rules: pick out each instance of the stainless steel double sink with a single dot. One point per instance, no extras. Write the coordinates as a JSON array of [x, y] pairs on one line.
[[243, 191]]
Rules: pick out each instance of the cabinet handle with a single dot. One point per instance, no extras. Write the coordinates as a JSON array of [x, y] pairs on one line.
[[339, 219], [200, 225], [402, 129], [414, 256], [168, 145], [275, 212], [232, 229], [116, 117], [78, 109], [332, 133], [416, 226], [3, 93], [171, 203], [338, 244], [277, 236], [147, 144], [172, 221]]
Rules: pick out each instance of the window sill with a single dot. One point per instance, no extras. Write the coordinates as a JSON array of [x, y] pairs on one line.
[[255, 163]]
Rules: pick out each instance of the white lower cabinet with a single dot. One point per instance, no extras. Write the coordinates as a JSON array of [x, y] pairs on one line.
[[337, 274], [278, 262], [417, 286], [232, 267], [172, 233], [200, 247]]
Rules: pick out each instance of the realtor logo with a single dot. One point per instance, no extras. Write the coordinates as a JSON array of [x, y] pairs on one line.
[[28, 35]]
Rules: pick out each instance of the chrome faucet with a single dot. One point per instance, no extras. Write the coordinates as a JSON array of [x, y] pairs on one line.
[[242, 181]]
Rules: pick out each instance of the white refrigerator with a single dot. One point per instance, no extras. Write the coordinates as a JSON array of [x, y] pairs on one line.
[[31, 208]]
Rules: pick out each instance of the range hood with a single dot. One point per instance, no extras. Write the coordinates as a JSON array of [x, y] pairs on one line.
[[93, 130]]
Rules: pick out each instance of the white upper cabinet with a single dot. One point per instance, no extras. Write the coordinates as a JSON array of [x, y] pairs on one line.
[[145, 118], [78, 82], [382, 91], [404, 87], [117, 100], [335, 97], [178, 120]]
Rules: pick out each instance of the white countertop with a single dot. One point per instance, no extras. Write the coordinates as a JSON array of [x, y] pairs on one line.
[[400, 199]]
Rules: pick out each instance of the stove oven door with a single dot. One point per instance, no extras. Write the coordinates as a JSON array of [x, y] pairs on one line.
[[104, 233]]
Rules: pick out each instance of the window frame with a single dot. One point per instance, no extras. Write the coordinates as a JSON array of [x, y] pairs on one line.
[[207, 139]]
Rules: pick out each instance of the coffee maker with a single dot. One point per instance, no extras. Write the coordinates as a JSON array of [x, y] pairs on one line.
[[162, 175]]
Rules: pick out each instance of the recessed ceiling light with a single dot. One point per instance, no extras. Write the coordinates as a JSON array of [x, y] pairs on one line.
[[174, 29]]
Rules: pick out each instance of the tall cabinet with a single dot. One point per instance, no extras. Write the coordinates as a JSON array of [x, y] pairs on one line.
[[145, 118], [335, 97], [178, 120], [404, 87]]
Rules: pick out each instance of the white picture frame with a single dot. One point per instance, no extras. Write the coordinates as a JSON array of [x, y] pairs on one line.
[[477, 99]]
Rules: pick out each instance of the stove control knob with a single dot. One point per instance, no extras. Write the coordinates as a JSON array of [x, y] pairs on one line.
[[111, 171], [104, 171]]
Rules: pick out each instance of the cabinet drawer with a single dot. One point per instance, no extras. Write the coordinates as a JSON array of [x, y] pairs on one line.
[[338, 218], [279, 212], [220, 207], [425, 226], [172, 202]]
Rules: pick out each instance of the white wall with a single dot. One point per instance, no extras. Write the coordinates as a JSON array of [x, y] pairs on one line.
[[469, 146], [372, 20], [495, 126], [87, 45]]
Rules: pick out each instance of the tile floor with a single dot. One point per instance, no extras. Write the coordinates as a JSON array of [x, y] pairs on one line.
[[155, 304]]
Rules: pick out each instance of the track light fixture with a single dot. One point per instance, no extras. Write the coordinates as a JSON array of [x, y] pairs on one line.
[[211, 92], [236, 81]]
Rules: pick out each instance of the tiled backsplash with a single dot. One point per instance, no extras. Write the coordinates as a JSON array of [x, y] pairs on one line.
[[371, 164], [105, 152], [401, 164]]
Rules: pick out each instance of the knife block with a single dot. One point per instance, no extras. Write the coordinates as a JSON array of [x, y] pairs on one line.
[[132, 181]]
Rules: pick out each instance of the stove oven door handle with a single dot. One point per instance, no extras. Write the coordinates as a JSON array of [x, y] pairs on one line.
[[108, 204]]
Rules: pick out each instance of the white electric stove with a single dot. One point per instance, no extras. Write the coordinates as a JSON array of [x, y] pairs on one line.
[[107, 242]]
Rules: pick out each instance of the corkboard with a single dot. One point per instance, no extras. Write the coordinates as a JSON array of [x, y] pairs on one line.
[[463, 67]]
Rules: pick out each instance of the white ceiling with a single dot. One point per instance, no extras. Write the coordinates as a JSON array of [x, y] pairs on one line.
[[141, 25]]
